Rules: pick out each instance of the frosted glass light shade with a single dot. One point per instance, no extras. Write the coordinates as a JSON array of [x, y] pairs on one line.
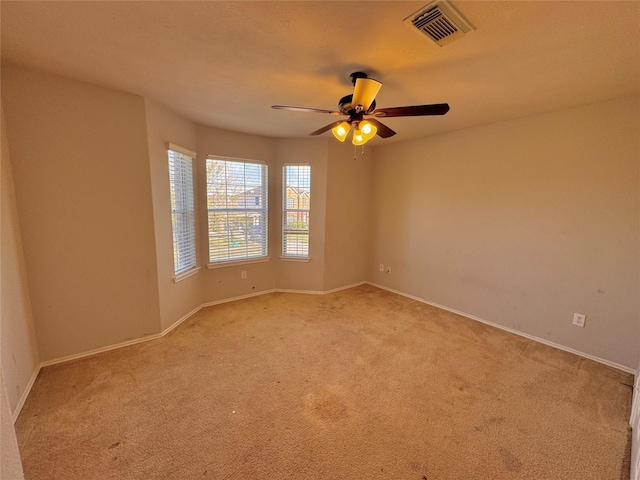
[[358, 137], [341, 130]]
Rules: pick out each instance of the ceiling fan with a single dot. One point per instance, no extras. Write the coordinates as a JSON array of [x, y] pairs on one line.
[[363, 102]]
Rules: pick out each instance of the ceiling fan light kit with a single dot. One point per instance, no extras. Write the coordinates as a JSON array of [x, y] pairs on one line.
[[363, 102], [363, 132]]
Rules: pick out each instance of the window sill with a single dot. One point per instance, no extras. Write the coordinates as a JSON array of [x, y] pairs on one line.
[[233, 263], [295, 259], [187, 274]]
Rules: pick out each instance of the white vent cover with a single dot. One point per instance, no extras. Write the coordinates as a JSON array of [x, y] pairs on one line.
[[440, 21]]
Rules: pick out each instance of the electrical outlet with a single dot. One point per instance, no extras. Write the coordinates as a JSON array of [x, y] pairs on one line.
[[243, 274], [388, 269], [381, 267], [579, 319]]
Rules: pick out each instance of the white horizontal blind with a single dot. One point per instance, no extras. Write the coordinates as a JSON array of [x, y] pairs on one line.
[[296, 201], [237, 205], [182, 211]]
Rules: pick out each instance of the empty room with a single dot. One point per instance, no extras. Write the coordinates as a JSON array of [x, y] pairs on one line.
[[320, 240]]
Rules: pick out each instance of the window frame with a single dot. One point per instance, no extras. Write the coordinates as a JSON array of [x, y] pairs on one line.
[[185, 184], [259, 212], [286, 209]]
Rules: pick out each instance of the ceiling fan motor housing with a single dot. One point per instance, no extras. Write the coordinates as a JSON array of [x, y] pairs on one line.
[[345, 107]]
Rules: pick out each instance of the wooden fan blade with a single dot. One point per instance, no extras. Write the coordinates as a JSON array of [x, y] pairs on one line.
[[413, 110], [383, 130], [365, 92], [305, 109], [326, 128]]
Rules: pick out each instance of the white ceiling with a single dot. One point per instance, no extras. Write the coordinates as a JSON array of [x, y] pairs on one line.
[[224, 63]]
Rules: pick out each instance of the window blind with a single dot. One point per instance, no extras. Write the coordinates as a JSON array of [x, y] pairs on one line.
[[296, 201], [237, 206], [182, 211]]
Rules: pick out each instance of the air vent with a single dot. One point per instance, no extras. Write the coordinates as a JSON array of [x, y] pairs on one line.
[[440, 21]]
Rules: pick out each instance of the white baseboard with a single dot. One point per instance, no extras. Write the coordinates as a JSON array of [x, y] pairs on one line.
[[303, 292], [90, 353], [511, 330], [185, 317], [239, 297], [319, 292], [25, 393], [634, 422], [346, 287]]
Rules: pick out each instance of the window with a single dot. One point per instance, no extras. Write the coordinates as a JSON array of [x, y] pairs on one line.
[[182, 209], [296, 181], [237, 209]]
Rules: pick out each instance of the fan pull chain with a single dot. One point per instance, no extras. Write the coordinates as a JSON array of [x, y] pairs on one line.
[[355, 151]]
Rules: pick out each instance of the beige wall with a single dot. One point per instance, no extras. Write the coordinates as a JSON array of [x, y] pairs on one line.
[[347, 238], [293, 275], [81, 168], [163, 125], [521, 223], [18, 349], [17, 335], [226, 282]]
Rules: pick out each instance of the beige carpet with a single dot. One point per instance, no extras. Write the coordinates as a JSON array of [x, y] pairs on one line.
[[360, 384]]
